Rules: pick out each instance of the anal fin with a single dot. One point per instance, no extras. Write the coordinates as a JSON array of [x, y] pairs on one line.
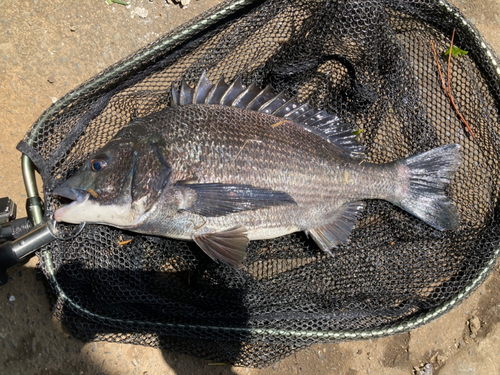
[[338, 231], [228, 246]]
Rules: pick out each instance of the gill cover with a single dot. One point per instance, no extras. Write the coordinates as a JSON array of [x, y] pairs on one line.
[[152, 174]]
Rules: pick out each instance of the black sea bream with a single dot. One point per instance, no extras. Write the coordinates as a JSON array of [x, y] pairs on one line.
[[227, 164]]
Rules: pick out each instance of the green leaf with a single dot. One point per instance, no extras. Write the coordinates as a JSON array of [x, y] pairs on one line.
[[117, 2], [455, 51], [357, 132]]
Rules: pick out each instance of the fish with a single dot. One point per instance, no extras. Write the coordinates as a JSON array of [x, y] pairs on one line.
[[225, 164]]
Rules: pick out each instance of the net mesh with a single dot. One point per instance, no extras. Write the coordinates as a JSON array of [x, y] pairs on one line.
[[369, 62]]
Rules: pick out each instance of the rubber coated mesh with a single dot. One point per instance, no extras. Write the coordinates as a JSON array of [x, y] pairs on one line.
[[369, 62]]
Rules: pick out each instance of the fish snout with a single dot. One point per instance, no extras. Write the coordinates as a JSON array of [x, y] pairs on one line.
[[71, 193]]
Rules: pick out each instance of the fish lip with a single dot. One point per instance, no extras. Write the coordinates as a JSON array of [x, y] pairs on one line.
[[77, 195]]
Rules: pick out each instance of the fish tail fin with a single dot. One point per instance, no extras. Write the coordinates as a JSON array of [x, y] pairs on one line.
[[424, 196]]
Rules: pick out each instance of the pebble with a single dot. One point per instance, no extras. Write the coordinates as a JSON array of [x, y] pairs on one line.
[[12, 298], [440, 359], [474, 325], [426, 369], [134, 362], [141, 12]]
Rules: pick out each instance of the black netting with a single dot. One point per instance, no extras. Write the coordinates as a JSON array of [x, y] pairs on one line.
[[369, 62]]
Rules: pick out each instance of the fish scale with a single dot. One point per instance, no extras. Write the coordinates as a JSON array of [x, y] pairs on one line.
[[227, 130], [226, 173]]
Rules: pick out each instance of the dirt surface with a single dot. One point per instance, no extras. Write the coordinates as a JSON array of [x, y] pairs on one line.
[[50, 47]]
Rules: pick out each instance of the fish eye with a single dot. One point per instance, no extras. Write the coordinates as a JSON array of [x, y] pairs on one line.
[[98, 164]]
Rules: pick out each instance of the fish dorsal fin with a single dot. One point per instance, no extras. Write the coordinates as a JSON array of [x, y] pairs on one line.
[[202, 89], [273, 104], [175, 97], [339, 230], [234, 90], [214, 96], [186, 94], [246, 96], [262, 97], [252, 98]]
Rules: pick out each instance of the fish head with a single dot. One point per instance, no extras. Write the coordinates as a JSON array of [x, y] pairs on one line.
[[117, 185]]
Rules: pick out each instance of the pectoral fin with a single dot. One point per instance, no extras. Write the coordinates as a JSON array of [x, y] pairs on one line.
[[228, 246], [338, 231], [222, 199]]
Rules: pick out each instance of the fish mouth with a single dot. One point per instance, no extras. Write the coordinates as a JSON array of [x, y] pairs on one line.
[[78, 198], [71, 193]]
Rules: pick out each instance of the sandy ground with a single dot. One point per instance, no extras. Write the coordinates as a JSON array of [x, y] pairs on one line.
[[50, 47]]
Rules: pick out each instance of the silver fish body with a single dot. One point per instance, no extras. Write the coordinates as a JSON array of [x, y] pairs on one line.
[[232, 146], [223, 175]]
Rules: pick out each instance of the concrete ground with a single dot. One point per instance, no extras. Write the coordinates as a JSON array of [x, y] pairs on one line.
[[50, 47]]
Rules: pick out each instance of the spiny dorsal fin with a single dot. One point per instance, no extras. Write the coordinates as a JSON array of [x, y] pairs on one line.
[[186, 95], [214, 96], [202, 89], [262, 98], [246, 96], [273, 104], [234, 90], [175, 97], [236, 94]]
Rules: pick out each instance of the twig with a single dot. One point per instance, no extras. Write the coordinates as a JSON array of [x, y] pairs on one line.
[[279, 123], [439, 69], [242, 147], [449, 62], [124, 242], [449, 88], [446, 89], [92, 192]]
